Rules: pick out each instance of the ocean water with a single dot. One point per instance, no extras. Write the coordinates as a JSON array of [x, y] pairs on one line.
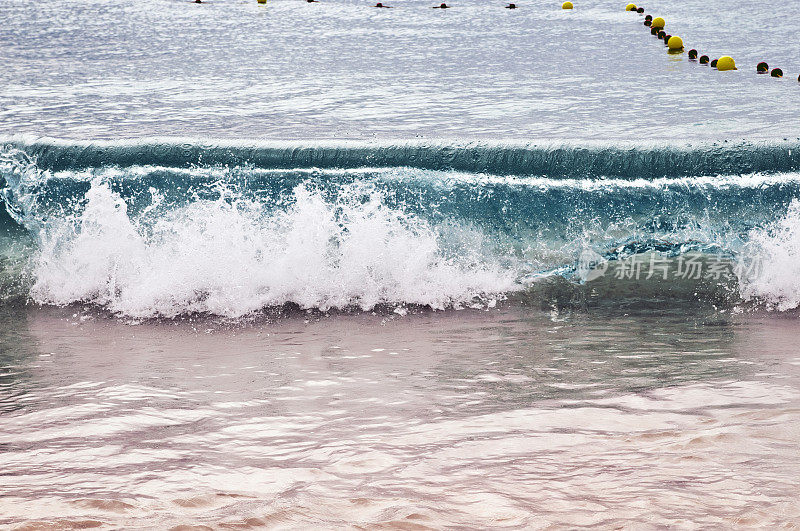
[[98, 69], [511, 418], [321, 265]]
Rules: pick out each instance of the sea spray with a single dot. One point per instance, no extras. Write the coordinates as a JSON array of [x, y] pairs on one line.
[[230, 257], [770, 263]]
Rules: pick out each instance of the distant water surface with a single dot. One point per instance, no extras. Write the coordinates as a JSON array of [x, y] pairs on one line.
[[340, 68]]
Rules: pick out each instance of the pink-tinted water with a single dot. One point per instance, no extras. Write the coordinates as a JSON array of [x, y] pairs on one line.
[[506, 418]]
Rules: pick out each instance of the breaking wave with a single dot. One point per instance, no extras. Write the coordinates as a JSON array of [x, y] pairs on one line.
[[149, 229]]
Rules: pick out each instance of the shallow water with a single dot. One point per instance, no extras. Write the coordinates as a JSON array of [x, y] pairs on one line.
[[512, 417]]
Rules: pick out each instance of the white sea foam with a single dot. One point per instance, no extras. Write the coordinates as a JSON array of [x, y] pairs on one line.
[[770, 264], [233, 256]]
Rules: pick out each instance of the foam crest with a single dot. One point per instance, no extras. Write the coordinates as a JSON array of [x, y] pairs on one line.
[[233, 256]]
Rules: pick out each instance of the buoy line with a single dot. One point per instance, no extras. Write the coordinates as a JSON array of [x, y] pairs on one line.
[[675, 46], [673, 43]]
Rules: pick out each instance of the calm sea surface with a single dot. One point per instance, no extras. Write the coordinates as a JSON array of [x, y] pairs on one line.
[[339, 68]]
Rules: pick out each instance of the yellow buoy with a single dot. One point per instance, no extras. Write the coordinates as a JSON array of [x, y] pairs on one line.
[[262, 1], [566, 5], [675, 44], [658, 22], [630, 7], [726, 63]]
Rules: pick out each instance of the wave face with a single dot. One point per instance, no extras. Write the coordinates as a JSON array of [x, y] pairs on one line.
[[165, 229], [544, 159]]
